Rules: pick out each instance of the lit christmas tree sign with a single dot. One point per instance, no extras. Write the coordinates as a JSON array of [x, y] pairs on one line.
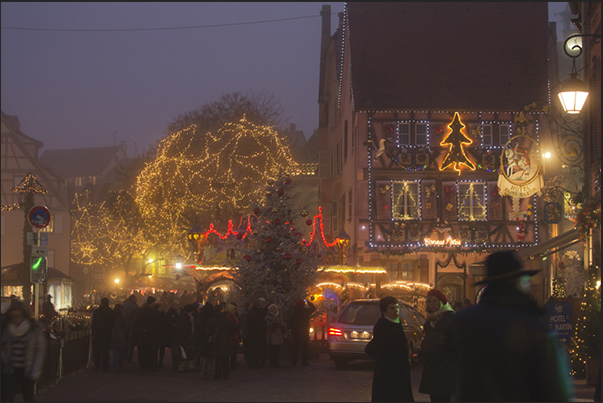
[[456, 140]]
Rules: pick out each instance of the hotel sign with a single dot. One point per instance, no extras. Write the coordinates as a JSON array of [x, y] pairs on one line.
[[520, 168]]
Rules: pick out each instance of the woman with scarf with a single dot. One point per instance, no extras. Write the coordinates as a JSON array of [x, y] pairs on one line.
[[389, 348], [23, 347], [438, 379], [274, 334]]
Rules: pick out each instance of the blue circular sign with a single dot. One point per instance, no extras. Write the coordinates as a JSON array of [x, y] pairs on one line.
[[39, 216]]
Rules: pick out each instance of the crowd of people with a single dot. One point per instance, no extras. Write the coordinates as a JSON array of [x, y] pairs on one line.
[[498, 350], [200, 336]]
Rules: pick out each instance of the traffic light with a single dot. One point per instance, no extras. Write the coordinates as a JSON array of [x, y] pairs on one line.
[[38, 267]]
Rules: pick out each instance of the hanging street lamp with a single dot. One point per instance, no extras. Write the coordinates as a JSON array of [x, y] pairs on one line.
[[574, 92]]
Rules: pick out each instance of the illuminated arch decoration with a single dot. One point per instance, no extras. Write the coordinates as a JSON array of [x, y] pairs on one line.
[[456, 141]]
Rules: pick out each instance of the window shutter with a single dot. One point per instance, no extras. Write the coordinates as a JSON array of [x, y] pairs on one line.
[[383, 199], [429, 208], [449, 200], [495, 202], [325, 165], [58, 224]]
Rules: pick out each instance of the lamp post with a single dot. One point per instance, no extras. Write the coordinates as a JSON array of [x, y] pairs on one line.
[[573, 92], [197, 238], [343, 241]]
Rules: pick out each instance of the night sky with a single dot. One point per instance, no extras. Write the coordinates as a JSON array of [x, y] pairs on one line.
[[73, 89]]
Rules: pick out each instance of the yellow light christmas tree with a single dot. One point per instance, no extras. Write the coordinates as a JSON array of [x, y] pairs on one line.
[[456, 140]]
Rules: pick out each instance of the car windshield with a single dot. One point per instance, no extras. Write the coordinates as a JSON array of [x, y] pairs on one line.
[[360, 314]]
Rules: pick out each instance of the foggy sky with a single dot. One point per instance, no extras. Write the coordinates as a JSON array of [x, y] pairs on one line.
[[75, 89], [91, 89]]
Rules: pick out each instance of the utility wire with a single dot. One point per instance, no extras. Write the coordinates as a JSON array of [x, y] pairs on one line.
[[160, 29]]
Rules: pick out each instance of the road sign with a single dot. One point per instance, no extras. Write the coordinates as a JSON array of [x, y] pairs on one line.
[[559, 318], [39, 251], [38, 268], [39, 216]]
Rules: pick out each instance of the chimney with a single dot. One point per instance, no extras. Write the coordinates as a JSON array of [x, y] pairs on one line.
[[325, 38], [292, 127]]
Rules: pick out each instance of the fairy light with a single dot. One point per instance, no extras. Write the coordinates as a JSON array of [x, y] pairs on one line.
[[355, 269]]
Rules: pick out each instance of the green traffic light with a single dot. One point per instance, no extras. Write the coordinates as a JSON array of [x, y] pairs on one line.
[[37, 263]]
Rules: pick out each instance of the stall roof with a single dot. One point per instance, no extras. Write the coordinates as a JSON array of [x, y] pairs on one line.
[[10, 274]]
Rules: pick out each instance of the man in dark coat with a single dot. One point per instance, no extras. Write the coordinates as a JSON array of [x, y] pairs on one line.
[[221, 347], [184, 336], [48, 310], [204, 315], [129, 310], [300, 329], [171, 317], [256, 325], [102, 327], [502, 348], [146, 328], [389, 348]]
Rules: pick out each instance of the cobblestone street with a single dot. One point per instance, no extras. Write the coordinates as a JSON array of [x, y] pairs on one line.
[[322, 381]]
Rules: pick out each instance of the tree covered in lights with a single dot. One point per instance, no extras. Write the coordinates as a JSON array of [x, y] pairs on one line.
[[274, 262], [211, 175], [586, 344], [109, 232]]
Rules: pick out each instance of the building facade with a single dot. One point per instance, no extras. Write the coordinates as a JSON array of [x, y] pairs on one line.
[[19, 159], [429, 139]]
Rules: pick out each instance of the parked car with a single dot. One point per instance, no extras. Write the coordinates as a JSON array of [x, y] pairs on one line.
[[351, 331]]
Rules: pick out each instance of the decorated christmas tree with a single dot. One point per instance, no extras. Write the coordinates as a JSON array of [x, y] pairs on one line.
[[586, 344], [275, 262]]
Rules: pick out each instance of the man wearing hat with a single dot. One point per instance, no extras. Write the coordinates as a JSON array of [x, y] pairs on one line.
[[502, 348]]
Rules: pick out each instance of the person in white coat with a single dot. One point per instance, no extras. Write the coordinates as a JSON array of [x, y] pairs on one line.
[[23, 349]]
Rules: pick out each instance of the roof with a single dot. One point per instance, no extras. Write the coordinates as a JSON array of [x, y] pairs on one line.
[[427, 55], [13, 123], [79, 161], [10, 274]]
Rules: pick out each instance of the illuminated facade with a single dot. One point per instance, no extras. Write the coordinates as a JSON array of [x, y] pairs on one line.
[[413, 131]]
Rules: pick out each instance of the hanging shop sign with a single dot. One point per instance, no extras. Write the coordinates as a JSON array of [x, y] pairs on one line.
[[520, 168]]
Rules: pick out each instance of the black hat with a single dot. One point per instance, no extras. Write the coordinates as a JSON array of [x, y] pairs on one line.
[[150, 300], [504, 265]]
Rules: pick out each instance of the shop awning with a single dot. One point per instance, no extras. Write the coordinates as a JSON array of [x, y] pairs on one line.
[[550, 246], [542, 249]]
